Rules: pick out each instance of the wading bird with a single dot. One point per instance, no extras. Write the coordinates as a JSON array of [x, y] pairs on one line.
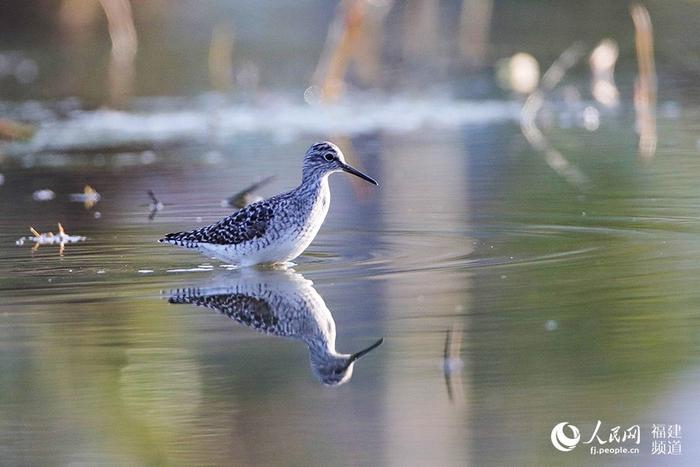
[[278, 229]]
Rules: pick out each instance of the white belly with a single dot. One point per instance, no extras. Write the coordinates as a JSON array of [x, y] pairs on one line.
[[280, 251]]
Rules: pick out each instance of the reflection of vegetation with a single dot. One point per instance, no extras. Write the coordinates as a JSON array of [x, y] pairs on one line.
[[645, 86], [592, 316], [528, 116], [83, 389]]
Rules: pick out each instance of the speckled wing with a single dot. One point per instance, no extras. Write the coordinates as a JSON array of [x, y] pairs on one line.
[[246, 309], [242, 226]]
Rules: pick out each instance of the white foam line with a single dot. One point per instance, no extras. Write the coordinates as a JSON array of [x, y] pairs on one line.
[[109, 128]]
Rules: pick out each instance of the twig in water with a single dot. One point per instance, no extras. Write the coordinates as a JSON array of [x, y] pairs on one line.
[[49, 238], [452, 365], [155, 205], [89, 197]]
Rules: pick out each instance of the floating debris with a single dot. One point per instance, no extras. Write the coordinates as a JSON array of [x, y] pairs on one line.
[[89, 197], [155, 205], [43, 195], [453, 365], [50, 238], [245, 197]]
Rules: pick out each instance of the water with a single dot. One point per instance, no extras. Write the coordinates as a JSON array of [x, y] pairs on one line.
[[560, 302], [572, 306]]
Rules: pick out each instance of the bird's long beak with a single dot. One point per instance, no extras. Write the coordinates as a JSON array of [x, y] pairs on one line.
[[357, 173], [362, 353]]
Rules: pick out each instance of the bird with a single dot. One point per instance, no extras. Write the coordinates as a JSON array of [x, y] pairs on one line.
[[278, 229], [280, 303]]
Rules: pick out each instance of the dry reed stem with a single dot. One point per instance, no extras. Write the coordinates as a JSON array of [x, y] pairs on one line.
[[645, 85], [122, 33]]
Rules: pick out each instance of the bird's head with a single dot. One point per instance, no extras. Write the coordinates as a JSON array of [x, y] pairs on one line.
[[336, 369], [324, 158]]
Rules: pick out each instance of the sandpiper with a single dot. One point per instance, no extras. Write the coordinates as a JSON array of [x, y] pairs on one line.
[[285, 304], [277, 229]]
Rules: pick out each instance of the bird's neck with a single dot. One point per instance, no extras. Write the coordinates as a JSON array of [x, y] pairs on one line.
[[321, 349], [313, 185]]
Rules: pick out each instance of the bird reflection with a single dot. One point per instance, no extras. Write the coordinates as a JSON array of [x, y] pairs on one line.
[[285, 304]]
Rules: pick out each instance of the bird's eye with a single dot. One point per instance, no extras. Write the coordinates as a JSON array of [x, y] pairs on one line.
[[328, 157]]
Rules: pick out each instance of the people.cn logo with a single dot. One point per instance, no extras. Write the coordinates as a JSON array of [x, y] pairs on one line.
[[561, 440]]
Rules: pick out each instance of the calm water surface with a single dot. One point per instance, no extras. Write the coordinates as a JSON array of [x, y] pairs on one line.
[[560, 303], [564, 306]]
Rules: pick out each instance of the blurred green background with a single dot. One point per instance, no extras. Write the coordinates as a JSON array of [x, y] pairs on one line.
[[548, 224]]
